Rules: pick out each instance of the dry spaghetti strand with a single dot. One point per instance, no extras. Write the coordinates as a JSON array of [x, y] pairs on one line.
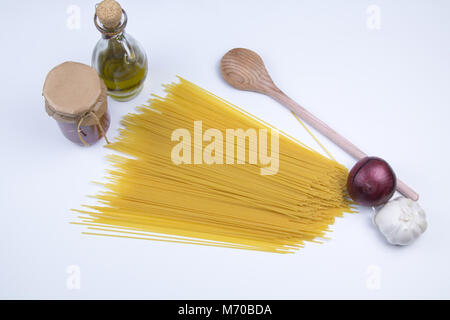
[[147, 196]]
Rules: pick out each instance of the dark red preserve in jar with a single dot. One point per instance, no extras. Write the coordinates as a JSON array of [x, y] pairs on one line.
[[75, 97]]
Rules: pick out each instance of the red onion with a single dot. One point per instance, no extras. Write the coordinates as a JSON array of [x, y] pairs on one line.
[[371, 182]]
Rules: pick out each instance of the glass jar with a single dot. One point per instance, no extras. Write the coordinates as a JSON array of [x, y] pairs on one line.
[[118, 58], [90, 133], [76, 98]]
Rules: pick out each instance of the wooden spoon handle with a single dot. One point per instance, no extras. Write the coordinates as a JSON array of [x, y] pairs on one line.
[[323, 128]]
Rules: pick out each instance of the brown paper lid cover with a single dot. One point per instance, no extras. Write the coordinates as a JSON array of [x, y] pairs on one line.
[[72, 89]]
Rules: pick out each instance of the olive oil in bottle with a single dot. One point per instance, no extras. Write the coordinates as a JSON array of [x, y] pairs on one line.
[[118, 58]]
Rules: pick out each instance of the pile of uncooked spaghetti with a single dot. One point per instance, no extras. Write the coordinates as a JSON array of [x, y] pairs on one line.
[[151, 195]]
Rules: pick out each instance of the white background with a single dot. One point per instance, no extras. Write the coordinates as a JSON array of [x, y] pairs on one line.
[[387, 90]]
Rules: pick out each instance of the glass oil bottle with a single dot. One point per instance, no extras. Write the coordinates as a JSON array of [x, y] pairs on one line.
[[118, 58]]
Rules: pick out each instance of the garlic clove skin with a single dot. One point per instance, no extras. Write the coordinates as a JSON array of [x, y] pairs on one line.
[[401, 221]]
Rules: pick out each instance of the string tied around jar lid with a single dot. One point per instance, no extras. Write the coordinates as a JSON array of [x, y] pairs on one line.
[[83, 118]]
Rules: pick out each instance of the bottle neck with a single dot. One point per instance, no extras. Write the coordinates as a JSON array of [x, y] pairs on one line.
[[112, 34], [120, 44]]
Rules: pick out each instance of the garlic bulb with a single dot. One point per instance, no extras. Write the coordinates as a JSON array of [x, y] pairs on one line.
[[401, 221]]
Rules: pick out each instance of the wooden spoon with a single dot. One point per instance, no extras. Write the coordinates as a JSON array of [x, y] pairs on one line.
[[245, 70]]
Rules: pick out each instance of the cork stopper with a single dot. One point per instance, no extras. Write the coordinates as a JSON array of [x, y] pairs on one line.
[[109, 12]]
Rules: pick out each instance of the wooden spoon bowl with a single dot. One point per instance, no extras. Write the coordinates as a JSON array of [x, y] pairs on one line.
[[245, 70]]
